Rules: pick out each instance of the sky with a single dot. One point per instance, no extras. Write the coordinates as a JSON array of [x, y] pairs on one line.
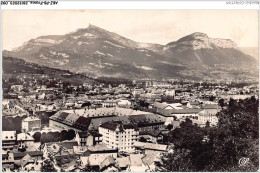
[[151, 26]]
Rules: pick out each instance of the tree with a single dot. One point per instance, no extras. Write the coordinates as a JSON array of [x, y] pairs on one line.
[[144, 104], [89, 168], [45, 138], [207, 124], [56, 136], [211, 98], [177, 161], [71, 134], [142, 139], [236, 136], [63, 135], [47, 166], [187, 135], [88, 104], [221, 103], [37, 136], [26, 90], [169, 127], [190, 136]]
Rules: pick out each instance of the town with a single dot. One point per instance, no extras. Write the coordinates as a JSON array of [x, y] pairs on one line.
[[50, 124]]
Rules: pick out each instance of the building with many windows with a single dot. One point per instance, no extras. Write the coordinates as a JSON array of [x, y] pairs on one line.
[[31, 123], [205, 116], [119, 135], [109, 103], [8, 140], [88, 138], [89, 119]]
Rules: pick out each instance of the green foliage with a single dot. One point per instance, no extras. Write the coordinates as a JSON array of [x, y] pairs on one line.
[[47, 166], [217, 148], [237, 135], [57, 136], [45, 138], [169, 127], [37, 136], [71, 134], [221, 103], [142, 139], [144, 104], [177, 161], [89, 168], [211, 98], [88, 104], [187, 136]]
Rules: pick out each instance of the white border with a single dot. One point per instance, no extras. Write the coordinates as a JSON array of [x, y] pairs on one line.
[[142, 4]]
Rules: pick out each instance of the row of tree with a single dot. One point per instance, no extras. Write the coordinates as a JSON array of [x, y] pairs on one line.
[[54, 136]]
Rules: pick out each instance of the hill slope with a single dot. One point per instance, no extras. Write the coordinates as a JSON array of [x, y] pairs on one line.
[[13, 67]]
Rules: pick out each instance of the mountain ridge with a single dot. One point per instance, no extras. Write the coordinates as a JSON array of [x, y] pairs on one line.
[[98, 52]]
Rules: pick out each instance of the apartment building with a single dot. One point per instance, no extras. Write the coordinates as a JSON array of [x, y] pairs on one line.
[[119, 135], [31, 123]]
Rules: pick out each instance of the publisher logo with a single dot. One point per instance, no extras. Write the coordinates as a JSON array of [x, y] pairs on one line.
[[243, 161]]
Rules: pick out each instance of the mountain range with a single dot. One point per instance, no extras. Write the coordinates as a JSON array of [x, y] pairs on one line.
[[96, 52]]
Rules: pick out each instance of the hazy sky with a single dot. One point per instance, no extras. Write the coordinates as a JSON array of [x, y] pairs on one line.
[[153, 26]]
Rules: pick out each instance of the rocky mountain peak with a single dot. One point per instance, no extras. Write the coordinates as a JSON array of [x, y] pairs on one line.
[[197, 35], [198, 40], [90, 26]]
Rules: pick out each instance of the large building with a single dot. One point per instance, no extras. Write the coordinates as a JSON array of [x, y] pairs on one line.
[[170, 93], [119, 135], [24, 141], [65, 121], [8, 140], [171, 114], [148, 122], [205, 116], [88, 138], [109, 103], [31, 123], [90, 119]]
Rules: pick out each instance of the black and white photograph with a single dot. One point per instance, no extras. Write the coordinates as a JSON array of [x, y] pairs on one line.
[[130, 90]]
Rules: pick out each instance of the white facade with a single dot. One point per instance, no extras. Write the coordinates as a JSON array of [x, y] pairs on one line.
[[124, 103], [31, 124], [84, 140], [25, 140], [121, 139], [186, 115], [108, 104], [205, 116], [170, 93]]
